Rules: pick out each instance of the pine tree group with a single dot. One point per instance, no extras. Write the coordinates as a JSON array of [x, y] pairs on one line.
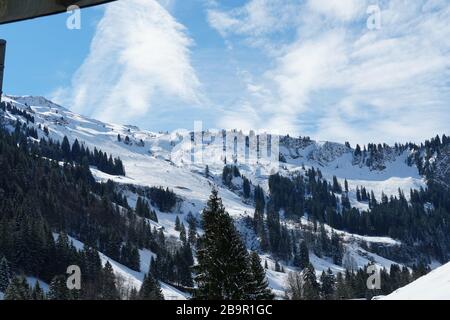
[[18, 289]]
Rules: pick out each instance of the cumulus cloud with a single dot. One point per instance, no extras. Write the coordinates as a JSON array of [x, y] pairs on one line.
[[139, 58]]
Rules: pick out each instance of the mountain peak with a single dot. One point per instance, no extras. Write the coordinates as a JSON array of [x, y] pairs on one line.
[[33, 101]]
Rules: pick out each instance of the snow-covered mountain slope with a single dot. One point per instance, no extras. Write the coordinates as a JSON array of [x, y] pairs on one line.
[[433, 286], [162, 152], [165, 159]]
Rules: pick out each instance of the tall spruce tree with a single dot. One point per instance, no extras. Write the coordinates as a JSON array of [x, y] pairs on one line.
[[192, 229], [65, 148], [246, 187], [37, 292], [310, 286], [260, 289], [108, 284], [301, 258], [150, 289], [5, 274], [177, 224], [327, 283], [258, 220], [183, 237], [223, 270]]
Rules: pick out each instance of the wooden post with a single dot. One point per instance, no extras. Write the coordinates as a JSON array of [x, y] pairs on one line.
[[2, 64]]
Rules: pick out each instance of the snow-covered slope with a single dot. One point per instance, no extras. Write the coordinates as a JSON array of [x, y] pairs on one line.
[[168, 156], [165, 159], [433, 286]]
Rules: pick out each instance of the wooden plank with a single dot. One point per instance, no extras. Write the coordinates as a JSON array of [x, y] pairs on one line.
[[18, 10]]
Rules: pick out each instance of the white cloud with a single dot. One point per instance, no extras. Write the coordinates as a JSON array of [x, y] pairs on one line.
[[139, 57], [337, 80], [344, 10], [255, 18], [222, 21], [306, 67]]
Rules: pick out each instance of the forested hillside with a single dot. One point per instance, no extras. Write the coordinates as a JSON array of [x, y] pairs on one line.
[[41, 198]]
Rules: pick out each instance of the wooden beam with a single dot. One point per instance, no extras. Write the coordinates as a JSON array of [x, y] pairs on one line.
[[18, 10], [2, 64]]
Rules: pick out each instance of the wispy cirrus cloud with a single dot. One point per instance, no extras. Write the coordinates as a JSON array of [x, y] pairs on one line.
[[255, 18], [139, 61], [343, 10], [337, 80]]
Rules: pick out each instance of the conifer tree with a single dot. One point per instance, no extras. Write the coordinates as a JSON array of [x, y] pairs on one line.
[[327, 285], [310, 285], [130, 256], [58, 289], [108, 283], [134, 294], [192, 229], [301, 259], [183, 234], [246, 187], [185, 261], [150, 289], [65, 148], [358, 150], [76, 151], [259, 227], [336, 186], [177, 224], [37, 293], [336, 248], [223, 270], [5, 274], [260, 290], [341, 289]]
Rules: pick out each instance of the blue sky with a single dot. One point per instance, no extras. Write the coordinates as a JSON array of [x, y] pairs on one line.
[[304, 67], [43, 53]]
